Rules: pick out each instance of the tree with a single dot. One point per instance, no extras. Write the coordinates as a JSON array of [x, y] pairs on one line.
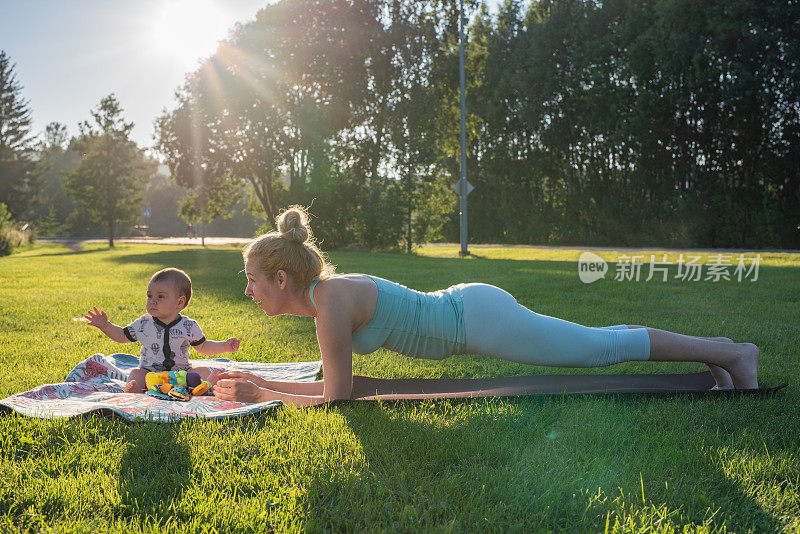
[[53, 162], [197, 160], [18, 179], [268, 100], [108, 183]]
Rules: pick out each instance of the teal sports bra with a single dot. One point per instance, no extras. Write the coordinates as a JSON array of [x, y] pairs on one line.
[[413, 323]]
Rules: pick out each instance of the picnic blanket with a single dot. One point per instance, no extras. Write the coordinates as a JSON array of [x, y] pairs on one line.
[[96, 384]]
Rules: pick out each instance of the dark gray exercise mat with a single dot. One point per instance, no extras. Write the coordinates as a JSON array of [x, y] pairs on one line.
[[367, 388]]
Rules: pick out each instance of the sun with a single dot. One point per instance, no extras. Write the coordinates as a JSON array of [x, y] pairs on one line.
[[188, 30]]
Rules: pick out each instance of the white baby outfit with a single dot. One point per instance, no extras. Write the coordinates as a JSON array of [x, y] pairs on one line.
[[165, 347]]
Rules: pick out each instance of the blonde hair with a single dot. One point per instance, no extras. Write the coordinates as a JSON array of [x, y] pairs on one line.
[[291, 249], [177, 277]]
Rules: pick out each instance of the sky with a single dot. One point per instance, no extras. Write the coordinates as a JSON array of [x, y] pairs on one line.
[[71, 54]]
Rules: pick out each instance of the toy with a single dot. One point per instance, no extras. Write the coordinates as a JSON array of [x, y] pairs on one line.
[[175, 385]]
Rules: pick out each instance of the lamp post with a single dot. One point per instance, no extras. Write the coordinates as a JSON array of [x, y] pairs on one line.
[[463, 184]]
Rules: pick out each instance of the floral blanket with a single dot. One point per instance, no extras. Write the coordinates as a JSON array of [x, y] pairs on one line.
[[95, 385]]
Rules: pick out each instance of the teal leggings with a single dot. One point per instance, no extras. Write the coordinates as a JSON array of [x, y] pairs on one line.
[[497, 325]]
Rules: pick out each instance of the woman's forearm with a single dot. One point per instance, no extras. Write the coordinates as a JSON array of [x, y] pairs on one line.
[[301, 401], [314, 389], [242, 386]]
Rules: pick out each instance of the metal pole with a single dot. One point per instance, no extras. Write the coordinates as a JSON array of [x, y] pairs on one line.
[[464, 251]]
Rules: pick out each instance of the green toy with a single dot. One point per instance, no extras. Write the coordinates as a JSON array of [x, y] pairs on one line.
[[176, 385]]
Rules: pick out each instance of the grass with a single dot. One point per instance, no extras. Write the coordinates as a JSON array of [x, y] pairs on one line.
[[589, 464]]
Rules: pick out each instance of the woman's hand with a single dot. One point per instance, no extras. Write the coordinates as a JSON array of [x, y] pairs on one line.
[[240, 390], [233, 344], [255, 379]]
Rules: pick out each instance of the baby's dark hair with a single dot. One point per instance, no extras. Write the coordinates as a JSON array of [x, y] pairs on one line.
[[177, 277]]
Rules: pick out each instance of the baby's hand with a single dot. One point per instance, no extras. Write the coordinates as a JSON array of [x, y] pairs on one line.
[[97, 318], [233, 344]]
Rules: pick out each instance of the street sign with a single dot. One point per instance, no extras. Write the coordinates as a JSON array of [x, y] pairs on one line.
[[457, 188]]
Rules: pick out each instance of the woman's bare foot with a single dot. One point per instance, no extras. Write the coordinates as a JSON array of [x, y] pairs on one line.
[[132, 387], [739, 360], [744, 368], [721, 376]]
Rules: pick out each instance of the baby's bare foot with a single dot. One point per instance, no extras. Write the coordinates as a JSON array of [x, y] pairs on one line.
[[744, 367], [132, 387], [213, 378]]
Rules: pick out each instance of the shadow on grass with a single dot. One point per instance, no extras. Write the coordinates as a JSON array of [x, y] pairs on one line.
[[154, 472], [533, 277], [222, 267], [533, 464], [190, 257], [216, 272], [71, 252]]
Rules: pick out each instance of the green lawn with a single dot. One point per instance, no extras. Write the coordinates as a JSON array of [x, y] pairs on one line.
[[622, 463]]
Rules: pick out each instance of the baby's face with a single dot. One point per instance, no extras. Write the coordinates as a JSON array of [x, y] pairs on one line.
[[164, 301]]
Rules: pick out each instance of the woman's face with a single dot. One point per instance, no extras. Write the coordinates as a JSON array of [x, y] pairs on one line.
[[264, 292]]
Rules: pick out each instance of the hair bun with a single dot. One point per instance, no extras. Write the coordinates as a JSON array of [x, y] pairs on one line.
[[293, 224]]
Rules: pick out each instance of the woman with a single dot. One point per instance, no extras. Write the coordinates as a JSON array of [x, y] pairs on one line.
[[287, 274]]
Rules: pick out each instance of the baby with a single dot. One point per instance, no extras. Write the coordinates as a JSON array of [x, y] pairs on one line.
[[164, 333]]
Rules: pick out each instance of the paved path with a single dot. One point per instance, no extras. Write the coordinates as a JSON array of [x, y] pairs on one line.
[[620, 249], [75, 243], [154, 240]]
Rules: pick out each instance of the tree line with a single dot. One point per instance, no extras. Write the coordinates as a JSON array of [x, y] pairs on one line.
[[622, 122], [95, 183]]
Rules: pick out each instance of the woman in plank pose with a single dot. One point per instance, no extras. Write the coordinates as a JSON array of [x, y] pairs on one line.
[[287, 274]]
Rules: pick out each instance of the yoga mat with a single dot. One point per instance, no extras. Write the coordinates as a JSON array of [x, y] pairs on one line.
[[367, 388]]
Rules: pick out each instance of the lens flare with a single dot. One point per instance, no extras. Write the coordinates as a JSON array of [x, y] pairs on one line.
[[188, 30]]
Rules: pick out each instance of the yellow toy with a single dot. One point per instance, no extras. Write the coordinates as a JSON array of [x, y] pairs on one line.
[[177, 385]]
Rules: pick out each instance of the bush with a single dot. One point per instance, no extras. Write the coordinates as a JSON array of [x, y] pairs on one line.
[[11, 235]]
